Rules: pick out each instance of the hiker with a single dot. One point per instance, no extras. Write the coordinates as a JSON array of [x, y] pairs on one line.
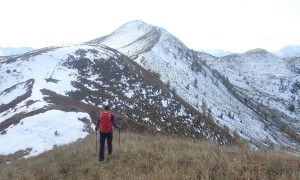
[[104, 125]]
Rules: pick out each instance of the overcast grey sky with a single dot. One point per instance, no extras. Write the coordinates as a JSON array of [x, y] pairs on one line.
[[235, 25]]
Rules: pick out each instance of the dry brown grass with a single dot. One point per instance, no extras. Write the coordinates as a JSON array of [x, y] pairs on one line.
[[154, 157]]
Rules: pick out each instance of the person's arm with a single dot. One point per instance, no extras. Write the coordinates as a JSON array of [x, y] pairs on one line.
[[115, 122]]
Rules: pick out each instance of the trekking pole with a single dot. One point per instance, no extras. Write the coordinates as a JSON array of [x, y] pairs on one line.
[[96, 143], [119, 137]]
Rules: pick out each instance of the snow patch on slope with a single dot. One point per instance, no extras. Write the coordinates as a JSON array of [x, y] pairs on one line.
[[10, 94], [43, 131]]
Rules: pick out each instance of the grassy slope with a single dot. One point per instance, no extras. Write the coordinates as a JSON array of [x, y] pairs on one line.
[[143, 156]]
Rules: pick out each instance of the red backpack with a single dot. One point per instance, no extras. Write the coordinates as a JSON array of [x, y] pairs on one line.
[[105, 122]]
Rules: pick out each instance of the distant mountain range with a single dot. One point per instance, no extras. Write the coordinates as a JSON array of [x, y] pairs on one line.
[[218, 52], [285, 52], [288, 51], [9, 51]]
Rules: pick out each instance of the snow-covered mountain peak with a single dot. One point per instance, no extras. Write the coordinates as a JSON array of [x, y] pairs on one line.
[[136, 37], [131, 32], [135, 25], [255, 58], [257, 50], [259, 53]]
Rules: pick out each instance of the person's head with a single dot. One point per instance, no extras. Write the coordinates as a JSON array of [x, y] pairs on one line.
[[106, 107]]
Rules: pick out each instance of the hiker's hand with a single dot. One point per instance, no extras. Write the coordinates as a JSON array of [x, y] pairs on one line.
[[96, 129]]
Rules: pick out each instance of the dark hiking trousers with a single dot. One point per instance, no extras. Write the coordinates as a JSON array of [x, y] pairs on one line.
[[104, 136]]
